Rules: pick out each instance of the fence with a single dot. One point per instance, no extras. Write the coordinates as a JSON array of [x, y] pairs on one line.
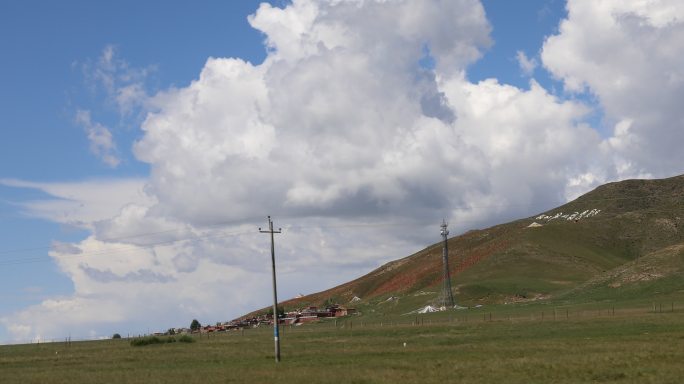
[[464, 316]]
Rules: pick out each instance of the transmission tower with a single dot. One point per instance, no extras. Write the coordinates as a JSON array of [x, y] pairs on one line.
[[447, 297]]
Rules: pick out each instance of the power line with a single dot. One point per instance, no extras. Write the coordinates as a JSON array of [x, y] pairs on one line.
[[123, 238], [127, 237], [355, 225], [121, 249], [132, 248]]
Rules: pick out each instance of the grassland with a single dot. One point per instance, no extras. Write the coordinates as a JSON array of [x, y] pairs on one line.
[[531, 343]]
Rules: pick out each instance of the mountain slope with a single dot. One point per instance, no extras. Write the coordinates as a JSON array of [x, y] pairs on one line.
[[656, 273], [554, 254]]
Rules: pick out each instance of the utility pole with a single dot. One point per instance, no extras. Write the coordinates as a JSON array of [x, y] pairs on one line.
[[275, 291], [447, 296]]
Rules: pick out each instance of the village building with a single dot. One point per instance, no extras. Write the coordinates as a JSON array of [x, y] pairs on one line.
[[312, 314], [295, 317]]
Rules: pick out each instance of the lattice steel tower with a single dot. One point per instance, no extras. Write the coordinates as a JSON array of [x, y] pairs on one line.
[[447, 297]]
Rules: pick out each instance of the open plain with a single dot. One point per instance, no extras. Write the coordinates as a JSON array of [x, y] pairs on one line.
[[507, 344]]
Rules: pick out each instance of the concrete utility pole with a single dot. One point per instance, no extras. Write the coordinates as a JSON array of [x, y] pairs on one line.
[[275, 291], [447, 296]]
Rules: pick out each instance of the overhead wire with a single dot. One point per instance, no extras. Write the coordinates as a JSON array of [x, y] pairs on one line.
[[127, 237], [136, 247], [122, 249]]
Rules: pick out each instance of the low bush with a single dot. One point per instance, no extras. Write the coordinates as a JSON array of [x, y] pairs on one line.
[[186, 339], [147, 340]]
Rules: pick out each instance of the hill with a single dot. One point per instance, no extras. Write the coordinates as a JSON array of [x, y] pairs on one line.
[[623, 238]]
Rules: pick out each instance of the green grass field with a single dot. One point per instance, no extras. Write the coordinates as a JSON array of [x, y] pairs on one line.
[[578, 344]]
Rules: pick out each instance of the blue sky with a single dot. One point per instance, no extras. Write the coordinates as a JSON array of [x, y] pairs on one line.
[[69, 136], [517, 26]]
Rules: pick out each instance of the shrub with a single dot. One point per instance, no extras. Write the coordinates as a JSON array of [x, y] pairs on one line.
[[116, 336], [186, 339], [147, 340]]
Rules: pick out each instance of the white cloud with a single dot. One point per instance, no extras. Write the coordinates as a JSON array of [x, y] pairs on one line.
[[82, 204], [527, 65], [129, 97], [314, 128], [123, 84], [628, 53], [123, 88], [101, 141], [525, 146]]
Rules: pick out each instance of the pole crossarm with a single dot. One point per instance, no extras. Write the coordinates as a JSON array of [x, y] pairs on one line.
[[276, 335]]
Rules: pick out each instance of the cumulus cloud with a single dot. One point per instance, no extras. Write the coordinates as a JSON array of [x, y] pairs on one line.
[[322, 125], [627, 54], [354, 146], [516, 135]]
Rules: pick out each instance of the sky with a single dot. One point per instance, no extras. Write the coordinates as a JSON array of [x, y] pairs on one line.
[[144, 144]]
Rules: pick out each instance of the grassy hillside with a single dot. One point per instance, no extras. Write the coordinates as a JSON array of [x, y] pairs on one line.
[[570, 252], [656, 274]]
